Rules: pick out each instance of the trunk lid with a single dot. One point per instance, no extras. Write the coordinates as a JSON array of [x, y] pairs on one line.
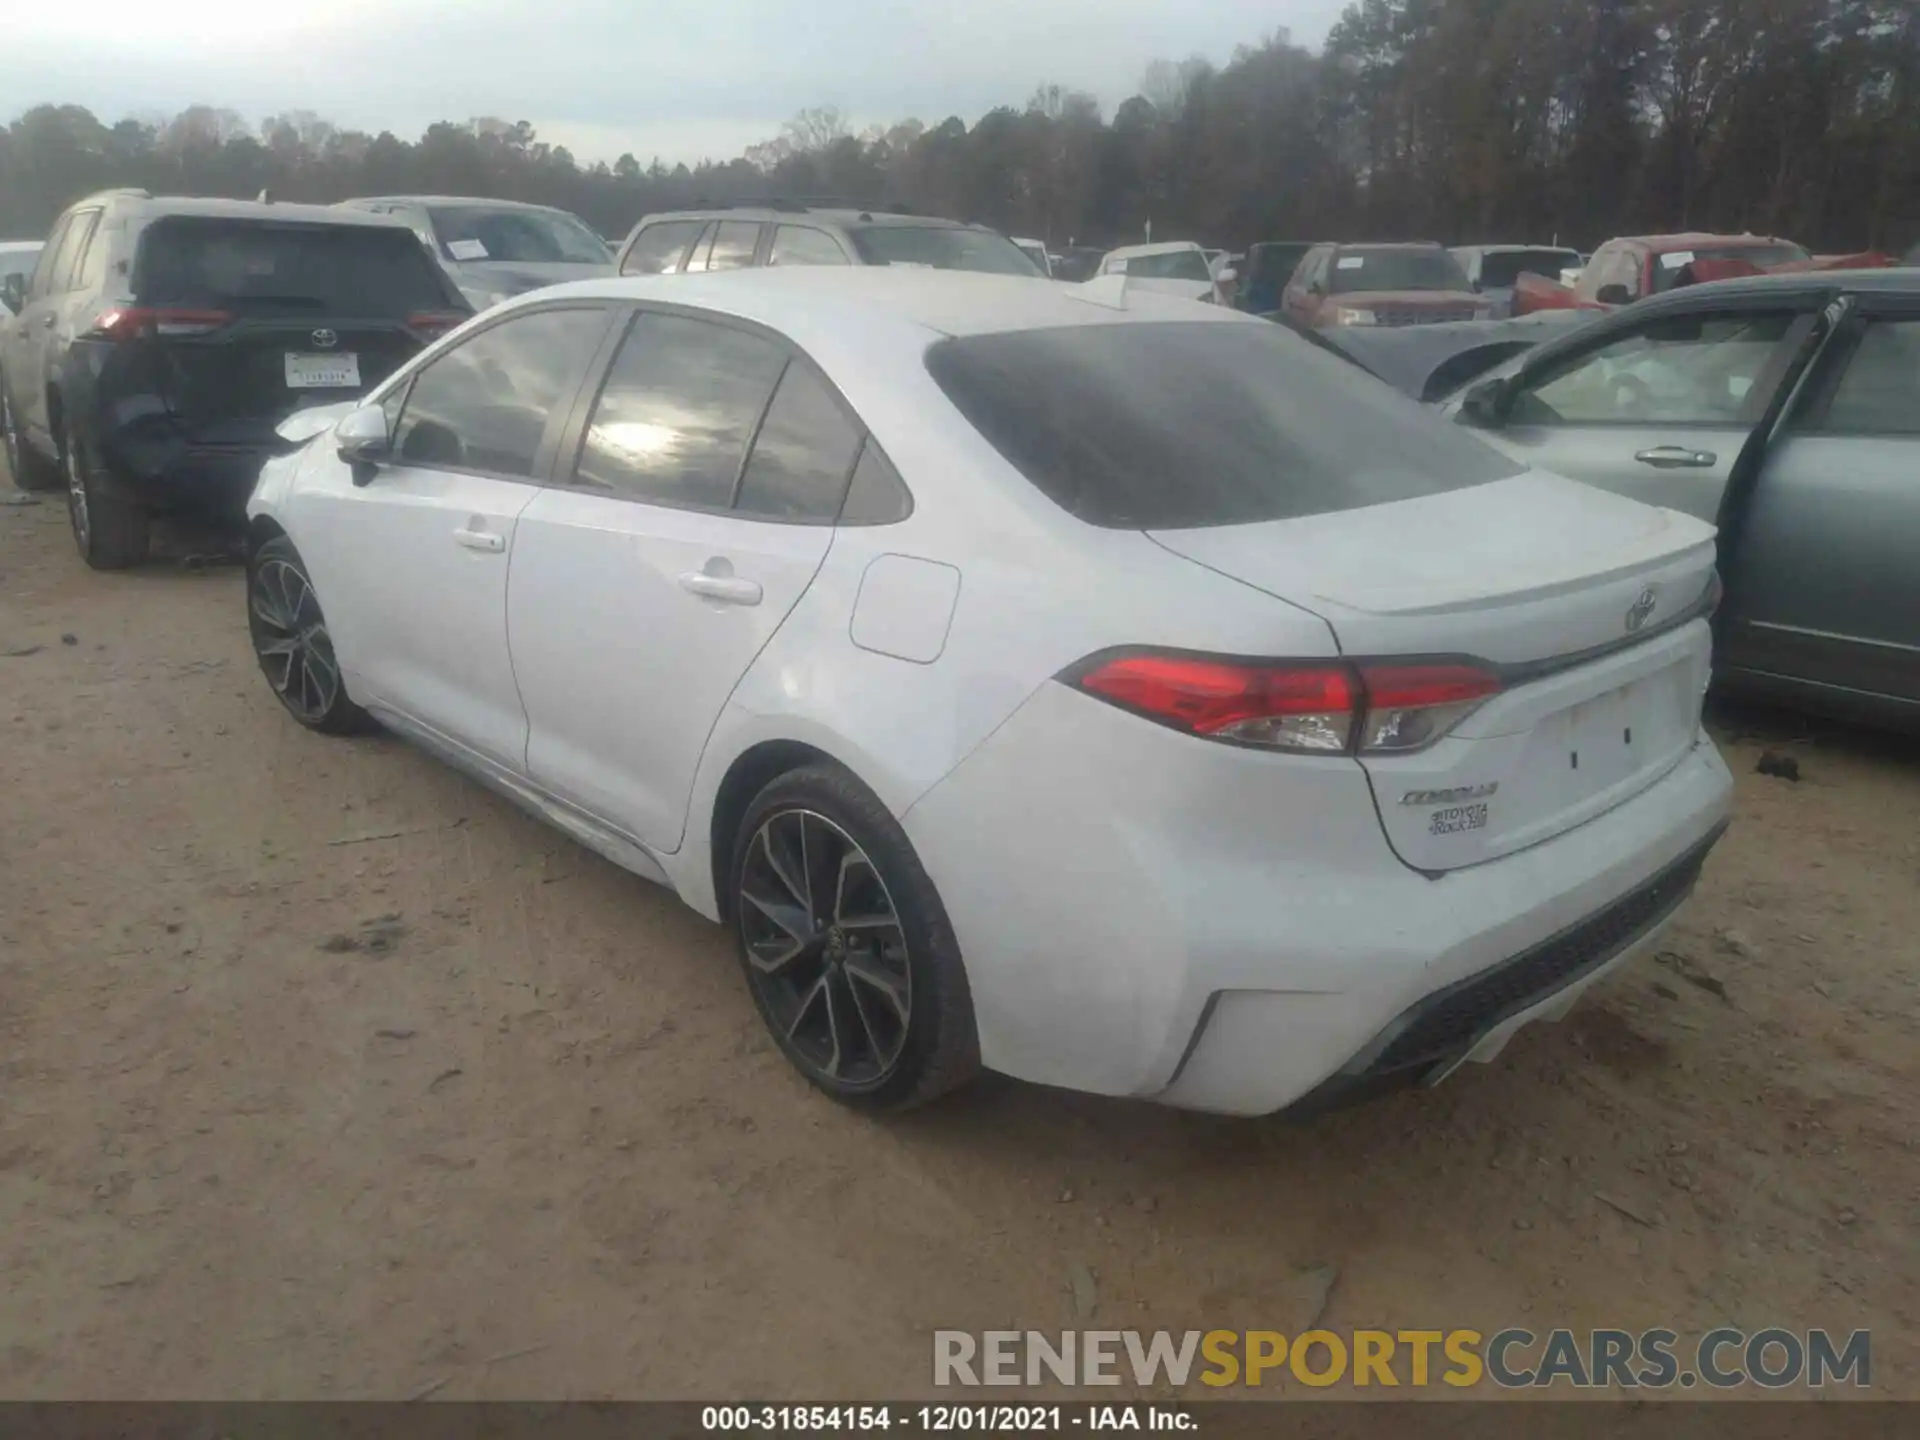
[[1552, 584]]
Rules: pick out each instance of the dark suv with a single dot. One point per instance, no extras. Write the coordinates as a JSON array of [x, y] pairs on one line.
[[160, 342], [734, 237]]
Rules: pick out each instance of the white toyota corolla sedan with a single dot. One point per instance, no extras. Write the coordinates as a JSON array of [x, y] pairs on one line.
[[1116, 692]]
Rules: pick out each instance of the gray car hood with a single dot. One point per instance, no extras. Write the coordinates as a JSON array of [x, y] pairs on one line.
[[1430, 362]]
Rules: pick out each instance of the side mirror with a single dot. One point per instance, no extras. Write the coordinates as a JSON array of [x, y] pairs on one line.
[[13, 291], [1615, 294], [362, 442], [1485, 405], [1228, 275]]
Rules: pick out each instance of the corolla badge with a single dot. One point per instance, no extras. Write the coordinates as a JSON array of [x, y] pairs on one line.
[[1642, 608], [325, 339]]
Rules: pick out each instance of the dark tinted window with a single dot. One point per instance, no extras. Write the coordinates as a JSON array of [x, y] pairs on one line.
[[658, 248], [538, 237], [876, 495], [679, 406], [1880, 392], [68, 260], [1357, 270], [276, 268], [803, 245], [483, 406], [1171, 425], [941, 247], [798, 469], [1502, 268]]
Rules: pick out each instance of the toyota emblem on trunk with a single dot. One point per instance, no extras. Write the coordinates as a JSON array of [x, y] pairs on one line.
[[1642, 608], [325, 339]]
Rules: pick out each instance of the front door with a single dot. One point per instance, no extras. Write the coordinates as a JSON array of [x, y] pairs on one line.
[[1658, 412], [708, 479], [1824, 584], [413, 565]]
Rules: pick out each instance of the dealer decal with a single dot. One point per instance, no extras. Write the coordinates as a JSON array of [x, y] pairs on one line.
[[1456, 818]]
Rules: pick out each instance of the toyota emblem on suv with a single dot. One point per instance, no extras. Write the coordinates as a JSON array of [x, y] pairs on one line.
[[325, 339], [1642, 608]]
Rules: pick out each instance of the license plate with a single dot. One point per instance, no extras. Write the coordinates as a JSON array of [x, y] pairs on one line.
[[323, 372]]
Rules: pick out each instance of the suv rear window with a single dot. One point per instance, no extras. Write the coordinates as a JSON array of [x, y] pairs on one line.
[[279, 267], [940, 247], [1176, 425]]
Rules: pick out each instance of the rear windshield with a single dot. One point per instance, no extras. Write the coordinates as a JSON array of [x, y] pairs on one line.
[[256, 266], [1356, 270], [1169, 265], [940, 247], [1667, 267], [1164, 426], [1502, 269], [470, 233]]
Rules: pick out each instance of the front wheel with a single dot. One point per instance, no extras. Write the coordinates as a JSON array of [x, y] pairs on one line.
[[846, 947], [292, 644]]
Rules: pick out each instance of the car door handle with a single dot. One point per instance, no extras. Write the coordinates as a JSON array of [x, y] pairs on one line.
[[1677, 457], [730, 589], [484, 540], [46, 322]]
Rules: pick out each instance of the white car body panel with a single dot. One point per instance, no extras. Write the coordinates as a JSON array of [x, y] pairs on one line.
[[1113, 883]]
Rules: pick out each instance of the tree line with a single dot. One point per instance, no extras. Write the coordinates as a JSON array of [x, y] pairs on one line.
[[1454, 120]]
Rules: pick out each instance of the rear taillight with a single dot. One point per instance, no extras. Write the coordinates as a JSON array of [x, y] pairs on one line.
[[1311, 707], [132, 322], [435, 323]]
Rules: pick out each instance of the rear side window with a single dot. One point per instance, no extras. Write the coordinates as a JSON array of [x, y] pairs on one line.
[[731, 248], [1880, 392], [280, 268], [677, 412], [484, 405], [1180, 424], [658, 248], [802, 455]]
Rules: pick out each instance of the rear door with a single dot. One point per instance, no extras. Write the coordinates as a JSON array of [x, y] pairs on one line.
[[261, 318], [414, 562], [1824, 582], [1659, 409], [708, 475], [44, 327]]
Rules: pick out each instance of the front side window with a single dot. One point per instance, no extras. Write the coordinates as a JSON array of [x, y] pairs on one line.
[[484, 405], [803, 245], [658, 248], [49, 258], [1686, 370], [469, 233], [68, 260], [802, 455], [677, 412], [1173, 425], [1879, 393]]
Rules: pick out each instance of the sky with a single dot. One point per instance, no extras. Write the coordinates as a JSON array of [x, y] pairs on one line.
[[681, 81]]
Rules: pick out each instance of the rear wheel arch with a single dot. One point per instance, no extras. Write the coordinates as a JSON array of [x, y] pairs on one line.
[[755, 768]]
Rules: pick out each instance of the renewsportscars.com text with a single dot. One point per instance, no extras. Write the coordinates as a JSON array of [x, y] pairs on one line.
[[1724, 1359]]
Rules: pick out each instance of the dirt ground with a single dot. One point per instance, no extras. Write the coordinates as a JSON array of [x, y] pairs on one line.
[[325, 1073]]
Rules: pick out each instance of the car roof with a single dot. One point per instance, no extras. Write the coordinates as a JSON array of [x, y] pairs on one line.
[[1513, 249], [1683, 240], [489, 201], [798, 301], [800, 214], [1388, 245], [162, 206], [1164, 247]]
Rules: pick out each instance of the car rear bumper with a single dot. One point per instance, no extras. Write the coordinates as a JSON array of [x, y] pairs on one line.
[[1146, 914]]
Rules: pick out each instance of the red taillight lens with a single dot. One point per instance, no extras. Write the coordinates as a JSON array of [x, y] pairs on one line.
[[1314, 707], [1291, 707], [131, 322], [435, 323]]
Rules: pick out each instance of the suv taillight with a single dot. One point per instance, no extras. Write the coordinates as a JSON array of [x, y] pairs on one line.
[[130, 322], [432, 324], [1320, 707]]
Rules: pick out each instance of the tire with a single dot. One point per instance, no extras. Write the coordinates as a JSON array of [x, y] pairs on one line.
[[24, 463], [292, 645], [110, 528], [833, 1001]]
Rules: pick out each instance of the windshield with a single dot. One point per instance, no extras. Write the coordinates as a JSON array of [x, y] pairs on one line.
[[252, 266], [1498, 271], [1177, 425], [470, 233], [940, 247], [1667, 267], [1357, 270], [1171, 265]]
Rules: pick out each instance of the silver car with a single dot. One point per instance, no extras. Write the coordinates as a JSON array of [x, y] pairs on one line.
[[496, 249], [1785, 408]]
